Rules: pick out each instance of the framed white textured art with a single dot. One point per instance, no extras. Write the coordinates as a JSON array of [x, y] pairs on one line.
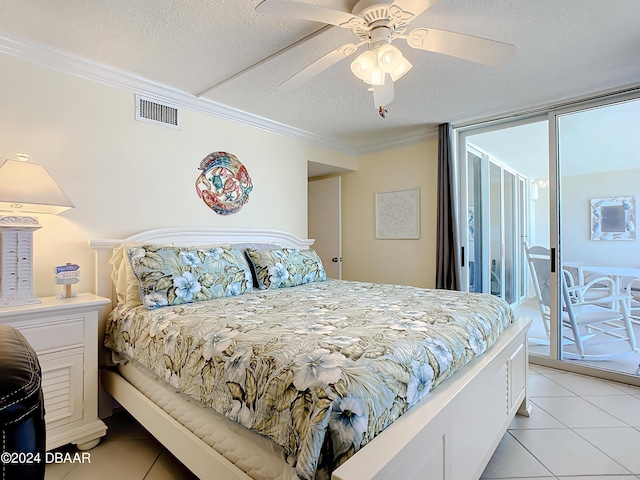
[[613, 218], [398, 214]]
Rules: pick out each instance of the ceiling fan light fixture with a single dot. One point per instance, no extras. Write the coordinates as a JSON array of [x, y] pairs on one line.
[[363, 65], [377, 23], [404, 66], [377, 76], [389, 58]]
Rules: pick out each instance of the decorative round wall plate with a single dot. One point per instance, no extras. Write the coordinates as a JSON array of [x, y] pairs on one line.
[[224, 184]]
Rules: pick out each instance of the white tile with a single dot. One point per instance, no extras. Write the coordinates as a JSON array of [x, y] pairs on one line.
[[167, 467], [118, 459], [576, 412], [621, 444], [564, 452], [512, 460], [57, 471], [583, 385], [540, 369], [623, 407], [603, 477], [518, 477], [541, 386], [631, 389], [538, 419]]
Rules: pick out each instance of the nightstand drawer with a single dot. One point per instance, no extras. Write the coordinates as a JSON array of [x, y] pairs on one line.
[[54, 335]]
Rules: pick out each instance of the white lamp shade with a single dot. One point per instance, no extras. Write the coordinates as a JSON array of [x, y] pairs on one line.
[[377, 76], [363, 65], [27, 187], [389, 58], [401, 68]]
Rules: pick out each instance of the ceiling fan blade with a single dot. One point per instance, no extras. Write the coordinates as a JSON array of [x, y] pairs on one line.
[[306, 11], [401, 8], [320, 65], [474, 49]]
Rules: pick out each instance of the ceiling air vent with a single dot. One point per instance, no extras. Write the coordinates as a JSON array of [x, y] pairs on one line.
[[149, 110]]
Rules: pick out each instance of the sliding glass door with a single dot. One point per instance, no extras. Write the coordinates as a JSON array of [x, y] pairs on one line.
[[566, 185], [473, 232], [494, 206], [504, 185], [599, 254]]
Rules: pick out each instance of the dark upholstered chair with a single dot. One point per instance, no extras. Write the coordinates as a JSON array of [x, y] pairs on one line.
[[22, 424]]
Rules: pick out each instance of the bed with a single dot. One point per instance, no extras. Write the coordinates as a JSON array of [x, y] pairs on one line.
[[390, 381]]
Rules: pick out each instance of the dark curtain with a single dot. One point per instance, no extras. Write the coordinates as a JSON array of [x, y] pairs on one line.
[[447, 245]]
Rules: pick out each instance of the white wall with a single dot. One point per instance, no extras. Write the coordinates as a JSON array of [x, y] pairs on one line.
[[577, 192], [406, 262], [126, 176]]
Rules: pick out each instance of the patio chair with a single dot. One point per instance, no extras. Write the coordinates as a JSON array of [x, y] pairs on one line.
[[586, 323], [633, 289]]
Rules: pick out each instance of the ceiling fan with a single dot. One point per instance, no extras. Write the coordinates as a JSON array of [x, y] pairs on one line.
[[377, 23]]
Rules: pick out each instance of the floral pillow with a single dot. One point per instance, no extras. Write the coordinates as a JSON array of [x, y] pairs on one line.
[[175, 275], [286, 267]]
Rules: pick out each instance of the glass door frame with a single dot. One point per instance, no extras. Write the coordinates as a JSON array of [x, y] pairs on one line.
[[465, 236], [521, 194], [555, 208], [551, 114]]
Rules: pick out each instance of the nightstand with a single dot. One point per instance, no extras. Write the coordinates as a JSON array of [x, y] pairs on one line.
[[64, 334]]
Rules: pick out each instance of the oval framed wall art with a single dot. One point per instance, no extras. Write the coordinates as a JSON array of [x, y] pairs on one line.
[[224, 183]]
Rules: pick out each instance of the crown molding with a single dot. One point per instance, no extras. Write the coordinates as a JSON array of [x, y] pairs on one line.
[[46, 56], [424, 134]]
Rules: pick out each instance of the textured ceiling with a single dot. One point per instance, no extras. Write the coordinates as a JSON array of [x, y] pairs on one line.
[[565, 49]]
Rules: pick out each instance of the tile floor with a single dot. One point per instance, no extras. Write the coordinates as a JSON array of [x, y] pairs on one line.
[[128, 452], [581, 429]]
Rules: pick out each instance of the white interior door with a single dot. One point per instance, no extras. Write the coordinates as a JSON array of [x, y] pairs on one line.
[[325, 223]]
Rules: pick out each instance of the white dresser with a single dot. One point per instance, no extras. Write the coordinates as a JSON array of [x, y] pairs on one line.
[[64, 334]]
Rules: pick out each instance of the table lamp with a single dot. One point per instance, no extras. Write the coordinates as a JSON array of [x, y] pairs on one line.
[[25, 188]]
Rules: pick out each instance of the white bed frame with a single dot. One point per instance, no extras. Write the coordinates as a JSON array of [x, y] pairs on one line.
[[450, 435]]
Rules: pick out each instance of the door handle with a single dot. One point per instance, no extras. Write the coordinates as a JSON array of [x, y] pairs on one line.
[[336, 259]]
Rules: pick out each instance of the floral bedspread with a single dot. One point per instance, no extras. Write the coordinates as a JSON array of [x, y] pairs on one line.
[[319, 368]]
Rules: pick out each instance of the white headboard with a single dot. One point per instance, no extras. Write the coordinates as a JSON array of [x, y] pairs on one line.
[[185, 237]]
